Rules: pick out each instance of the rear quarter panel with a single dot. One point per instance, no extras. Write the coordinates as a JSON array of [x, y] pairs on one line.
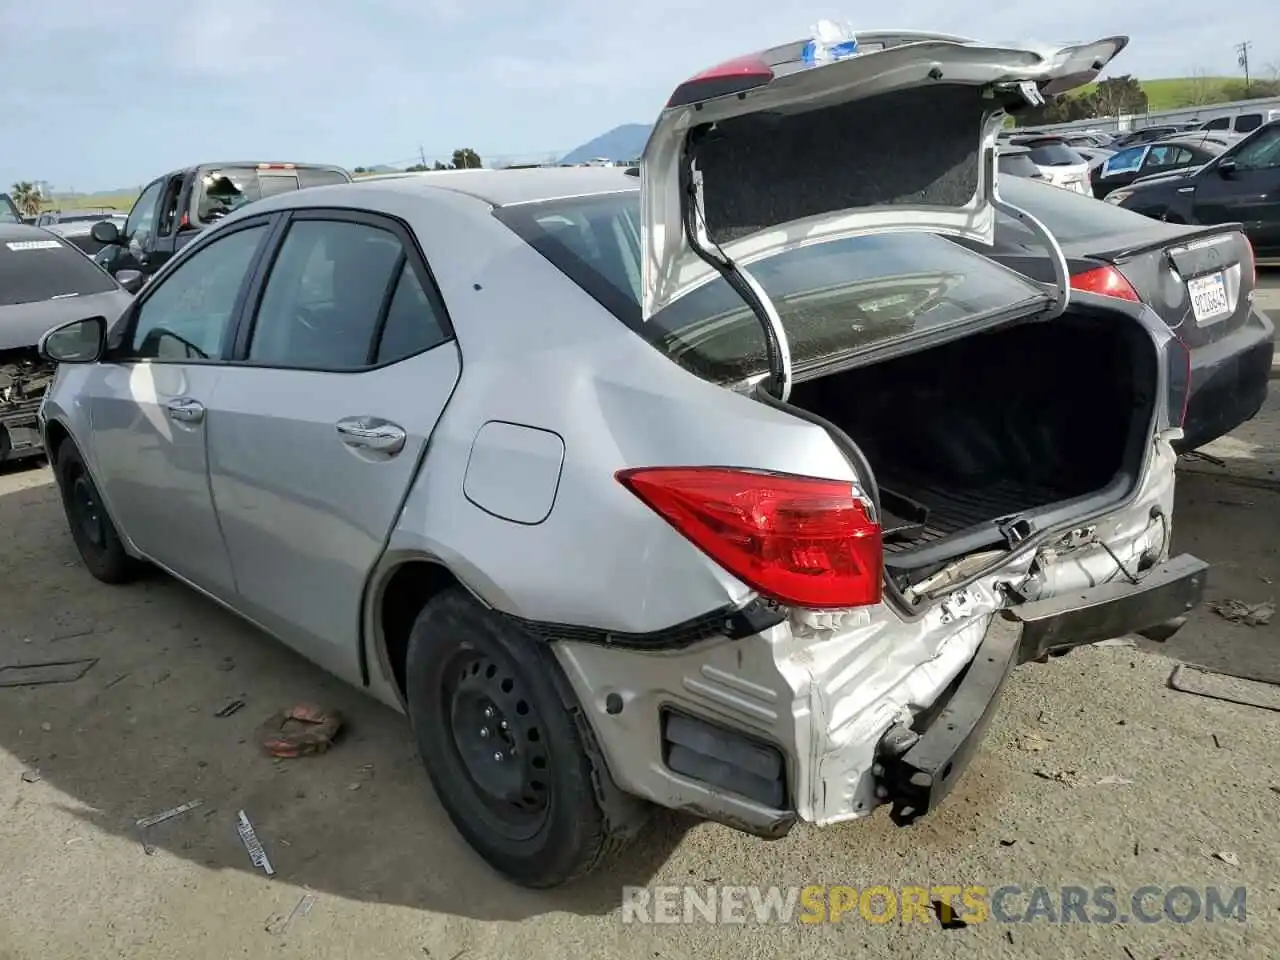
[[539, 352]]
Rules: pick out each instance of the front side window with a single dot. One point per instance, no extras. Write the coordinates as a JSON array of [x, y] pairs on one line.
[[342, 296], [1259, 152], [142, 217], [1220, 123], [187, 315]]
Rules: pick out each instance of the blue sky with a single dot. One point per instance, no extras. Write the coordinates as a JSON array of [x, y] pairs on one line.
[[97, 95]]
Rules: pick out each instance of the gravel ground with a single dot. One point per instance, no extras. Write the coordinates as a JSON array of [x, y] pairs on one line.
[[360, 829]]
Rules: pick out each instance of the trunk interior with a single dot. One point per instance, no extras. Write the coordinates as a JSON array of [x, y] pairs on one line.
[[968, 439]]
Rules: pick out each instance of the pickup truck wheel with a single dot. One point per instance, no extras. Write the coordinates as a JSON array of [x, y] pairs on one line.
[[91, 528], [501, 745]]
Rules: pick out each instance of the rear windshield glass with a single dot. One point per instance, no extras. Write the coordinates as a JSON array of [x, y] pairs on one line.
[[1054, 155], [42, 268], [1070, 216], [8, 212], [1017, 165], [226, 189], [833, 298]]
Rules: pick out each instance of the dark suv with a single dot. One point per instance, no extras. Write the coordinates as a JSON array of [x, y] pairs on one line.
[[174, 208]]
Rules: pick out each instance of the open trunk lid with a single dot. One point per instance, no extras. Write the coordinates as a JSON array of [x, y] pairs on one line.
[[775, 151]]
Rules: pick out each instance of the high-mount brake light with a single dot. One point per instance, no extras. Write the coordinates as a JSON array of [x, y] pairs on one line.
[[802, 541], [277, 166], [733, 76], [1107, 281]]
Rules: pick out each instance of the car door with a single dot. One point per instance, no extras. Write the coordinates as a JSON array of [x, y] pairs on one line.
[[317, 432], [163, 242], [138, 228], [148, 406], [1247, 191]]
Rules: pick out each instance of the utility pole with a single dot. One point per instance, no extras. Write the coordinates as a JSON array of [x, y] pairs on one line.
[[422, 155], [1242, 59]]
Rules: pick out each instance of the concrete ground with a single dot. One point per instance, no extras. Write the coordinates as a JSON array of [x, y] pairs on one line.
[[359, 828]]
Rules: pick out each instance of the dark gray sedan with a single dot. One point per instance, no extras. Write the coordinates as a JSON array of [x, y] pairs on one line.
[[44, 281]]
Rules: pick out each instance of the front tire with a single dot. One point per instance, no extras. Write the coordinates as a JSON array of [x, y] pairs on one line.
[[92, 530], [500, 744]]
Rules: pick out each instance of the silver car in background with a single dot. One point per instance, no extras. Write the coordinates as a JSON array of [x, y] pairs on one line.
[[729, 488]]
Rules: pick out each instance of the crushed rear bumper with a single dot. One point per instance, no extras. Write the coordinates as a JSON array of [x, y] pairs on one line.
[[918, 768]]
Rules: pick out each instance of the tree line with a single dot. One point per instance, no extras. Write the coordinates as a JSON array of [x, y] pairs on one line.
[[1124, 95], [463, 159]]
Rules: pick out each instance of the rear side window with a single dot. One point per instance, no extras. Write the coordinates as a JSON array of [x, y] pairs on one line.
[[43, 267], [342, 296], [833, 298], [1248, 122]]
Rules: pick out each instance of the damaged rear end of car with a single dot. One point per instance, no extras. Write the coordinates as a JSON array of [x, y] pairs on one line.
[[1009, 491]]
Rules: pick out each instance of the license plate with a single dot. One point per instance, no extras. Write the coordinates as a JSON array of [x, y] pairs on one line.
[[1208, 297]]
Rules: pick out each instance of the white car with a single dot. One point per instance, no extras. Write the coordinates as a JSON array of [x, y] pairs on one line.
[[1062, 165]]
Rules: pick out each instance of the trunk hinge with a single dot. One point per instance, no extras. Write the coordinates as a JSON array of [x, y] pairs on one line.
[[742, 282], [1058, 259]]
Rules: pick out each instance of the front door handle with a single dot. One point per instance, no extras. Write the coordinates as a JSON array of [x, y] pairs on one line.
[[370, 433], [186, 410]]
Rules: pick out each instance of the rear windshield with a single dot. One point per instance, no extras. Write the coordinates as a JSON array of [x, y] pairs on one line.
[[8, 212], [220, 191], [1070, 216], [1054, 154], [44, 268], [1017, 165], [833, 298]]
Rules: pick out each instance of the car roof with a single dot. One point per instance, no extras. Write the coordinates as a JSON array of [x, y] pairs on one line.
[[1184, 141], [495, 187]]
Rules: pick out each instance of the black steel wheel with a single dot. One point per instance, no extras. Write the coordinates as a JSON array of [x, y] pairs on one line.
[[496, 730], [92, 531]]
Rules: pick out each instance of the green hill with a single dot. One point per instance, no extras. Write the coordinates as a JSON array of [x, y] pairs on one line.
[[1175, 93]]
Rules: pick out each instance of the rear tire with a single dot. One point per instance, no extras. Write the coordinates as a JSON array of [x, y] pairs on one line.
[[501, 745], [92, 530]]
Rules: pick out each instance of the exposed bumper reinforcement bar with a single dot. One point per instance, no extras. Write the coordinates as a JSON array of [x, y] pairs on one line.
[[918, 769]]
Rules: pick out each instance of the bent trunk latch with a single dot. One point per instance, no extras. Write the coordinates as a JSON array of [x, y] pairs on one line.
[[742, 282]]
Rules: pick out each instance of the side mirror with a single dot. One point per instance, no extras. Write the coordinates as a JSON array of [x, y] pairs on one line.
[[105, 232], [131, 280], [80, 341], [1227, 167]]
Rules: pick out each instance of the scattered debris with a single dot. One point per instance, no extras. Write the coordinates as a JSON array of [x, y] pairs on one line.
[[146, 823], [1216, 742], [1206, 457], [1069, 777], [1234, 503], [279, 925], [300, 731], [72, 633], [1007, 843], [162, 678], [1275, 789], [1203, 682], [1230, 859], [1129, 953], [353, 786], [252, 844], [227, 664], [1008, 935], [1116, 642], [1249, 614], [115, 681], [40, 674], [1033, 742], [47, 727], [31, 776], [230, 708], [1114, 781], [947, 916]]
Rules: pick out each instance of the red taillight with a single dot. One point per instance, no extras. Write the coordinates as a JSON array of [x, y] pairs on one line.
[[733, 76], [802, 541], [1107, 281], [1252, 265]]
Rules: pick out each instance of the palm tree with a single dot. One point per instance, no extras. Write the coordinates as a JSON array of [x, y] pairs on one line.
[[27, 196]]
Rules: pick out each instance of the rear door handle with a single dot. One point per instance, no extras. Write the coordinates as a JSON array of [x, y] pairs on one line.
[[186, 410], [370, 433]]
